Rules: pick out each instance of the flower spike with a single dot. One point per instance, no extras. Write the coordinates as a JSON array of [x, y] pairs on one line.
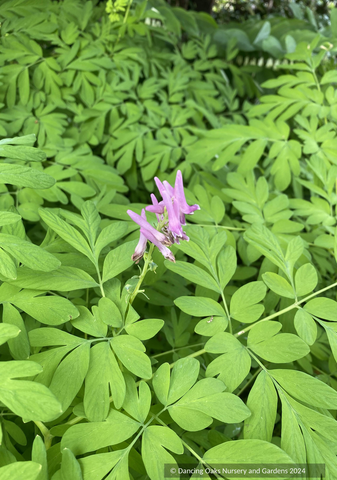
[[170, 213]]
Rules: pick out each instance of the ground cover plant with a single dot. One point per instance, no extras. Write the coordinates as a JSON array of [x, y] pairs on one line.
[[167, 246]]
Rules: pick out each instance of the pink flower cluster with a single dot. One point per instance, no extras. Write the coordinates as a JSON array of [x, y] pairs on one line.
[[170, 213]]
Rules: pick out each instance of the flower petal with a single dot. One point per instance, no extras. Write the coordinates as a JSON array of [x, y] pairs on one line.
[[179, 195], [168, 188], [140, 248], [144, 224], [160, 186], [173, 215], [166, 252], [157, 208]]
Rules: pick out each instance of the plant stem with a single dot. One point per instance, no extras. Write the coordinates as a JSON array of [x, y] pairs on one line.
[[193, 355], [125, 19], [287, 309], [218, 226], [227, 312], [100, 280], [48, 437], [127, 11], [249, 381], [176, 350], [186, 445], [142, 275]]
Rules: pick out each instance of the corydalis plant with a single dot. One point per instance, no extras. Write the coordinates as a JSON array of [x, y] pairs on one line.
[[170, 213]]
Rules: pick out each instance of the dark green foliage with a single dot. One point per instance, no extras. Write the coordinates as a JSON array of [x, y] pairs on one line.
[[110, 371]]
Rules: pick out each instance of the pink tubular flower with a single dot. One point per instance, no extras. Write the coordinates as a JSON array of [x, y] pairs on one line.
[[179, 195], [144, 224], [141, 246], [148, 233], [172, 208], [166, 252], [170, 213], [157, 208], [175, 202]]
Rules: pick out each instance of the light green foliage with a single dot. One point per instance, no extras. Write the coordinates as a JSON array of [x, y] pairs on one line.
[[100, 85], [227, 355]]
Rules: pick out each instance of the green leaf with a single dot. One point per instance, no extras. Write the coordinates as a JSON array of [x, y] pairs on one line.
[[27, 154], [109, 313], [20, 470], [130, 352], [194, 274], [69, 375], [331, 331], [206, 400], [67, 232], [193, 250], [226, 264], [77, 188], [305, 326], [323, 308], [323, 424], [262, 402], [292, 441], [306, 388], [161, 381], [199, 306], [252, 451], [7, 218], [92, 220], [278, 284], [243, 303], [29, 254], [145, 329], [24, 86], [211, 325], [184, 375], [15, 432], [217, 209], [118, 260], [8, 331], [64, 279], [18, 345], [252, 155], [7, 266], [295, 249], [70, 468], [103, 372], [88, 437], [110, 234], [233, 365], [25, 177], [39, 455], [137, 404], [89, 324], [266, 243], [22, 140], [50, 310], [101, 464], [262, 331], [30, 400], [52, 337], [156, 440], [282, 348], [305, 279]]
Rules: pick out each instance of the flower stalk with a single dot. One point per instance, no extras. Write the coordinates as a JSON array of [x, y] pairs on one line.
[[170, 213], [148, 260]]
